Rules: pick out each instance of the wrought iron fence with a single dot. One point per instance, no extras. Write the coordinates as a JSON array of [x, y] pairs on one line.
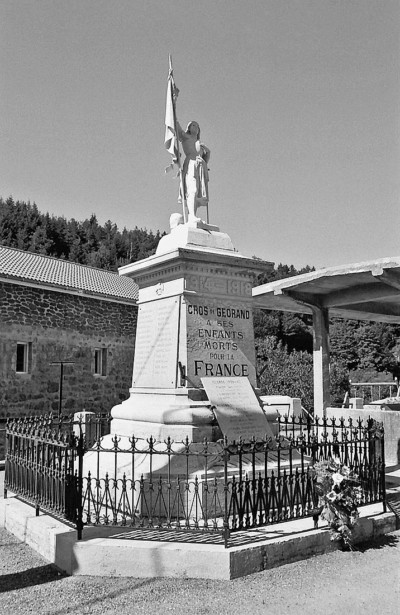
[[208, 486], [2, 439], [41, 466], [94, 425]]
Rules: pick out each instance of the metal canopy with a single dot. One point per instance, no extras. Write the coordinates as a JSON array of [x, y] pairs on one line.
[[360, 291]]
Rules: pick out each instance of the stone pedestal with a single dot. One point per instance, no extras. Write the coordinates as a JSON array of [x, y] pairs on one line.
[[195, 320]]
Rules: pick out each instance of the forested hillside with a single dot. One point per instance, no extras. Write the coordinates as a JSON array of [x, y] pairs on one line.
[[23, 226], [284, 341]]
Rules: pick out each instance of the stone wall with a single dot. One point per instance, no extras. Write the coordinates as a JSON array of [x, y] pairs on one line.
[[63, 326]]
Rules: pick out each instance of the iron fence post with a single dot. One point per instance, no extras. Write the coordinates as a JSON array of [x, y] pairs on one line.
[[383, 475], [79, 508], [226, 518], [36, 474], [6, 468]]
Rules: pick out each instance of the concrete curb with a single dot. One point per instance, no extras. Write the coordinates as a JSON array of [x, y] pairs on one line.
[[105, 551]]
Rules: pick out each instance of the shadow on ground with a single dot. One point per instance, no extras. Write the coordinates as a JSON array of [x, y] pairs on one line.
[[32, 576], [388, 540], [110, 595]]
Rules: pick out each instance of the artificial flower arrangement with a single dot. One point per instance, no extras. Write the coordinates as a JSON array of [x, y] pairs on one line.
[[339, 494]]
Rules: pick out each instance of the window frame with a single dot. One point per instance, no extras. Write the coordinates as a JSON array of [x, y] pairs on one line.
[[26, 358], [100, 362]]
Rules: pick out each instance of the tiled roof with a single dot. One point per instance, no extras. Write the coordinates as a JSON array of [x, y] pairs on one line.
[[54, 272]]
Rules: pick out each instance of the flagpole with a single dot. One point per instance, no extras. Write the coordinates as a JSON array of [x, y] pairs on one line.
[[182, 192]]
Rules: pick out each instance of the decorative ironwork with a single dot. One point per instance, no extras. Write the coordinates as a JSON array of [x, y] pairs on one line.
[[71, 471], [40, 465]]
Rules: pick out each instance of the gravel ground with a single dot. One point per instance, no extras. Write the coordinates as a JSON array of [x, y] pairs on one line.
[[365, 581]]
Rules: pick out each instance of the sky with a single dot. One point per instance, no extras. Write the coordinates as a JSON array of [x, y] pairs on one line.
[[298, 101]]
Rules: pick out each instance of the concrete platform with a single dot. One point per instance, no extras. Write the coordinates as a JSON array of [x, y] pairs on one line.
[[116, 551]]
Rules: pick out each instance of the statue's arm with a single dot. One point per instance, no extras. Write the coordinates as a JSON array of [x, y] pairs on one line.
[[206, 152], [182, 136]]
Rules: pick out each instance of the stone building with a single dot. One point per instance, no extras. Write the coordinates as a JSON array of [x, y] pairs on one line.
[[54, 311]]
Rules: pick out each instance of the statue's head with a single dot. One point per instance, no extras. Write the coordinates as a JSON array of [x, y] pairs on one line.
[[189, 129]]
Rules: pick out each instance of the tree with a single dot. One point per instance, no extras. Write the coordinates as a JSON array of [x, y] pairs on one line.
[[284, 373], [40, 242], [281, 372], [343, 342]]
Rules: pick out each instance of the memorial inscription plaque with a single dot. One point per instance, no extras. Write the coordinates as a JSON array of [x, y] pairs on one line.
[[155, 363], [237, 409], [220, 339]]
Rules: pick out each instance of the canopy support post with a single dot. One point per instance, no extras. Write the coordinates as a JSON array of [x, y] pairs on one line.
[[322, 397]]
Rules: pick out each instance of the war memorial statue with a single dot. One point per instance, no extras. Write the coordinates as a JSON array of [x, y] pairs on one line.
[[194, 183], [193, 174], [194, 335]]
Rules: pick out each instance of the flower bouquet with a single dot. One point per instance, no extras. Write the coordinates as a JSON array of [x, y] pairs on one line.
[[339, 493]]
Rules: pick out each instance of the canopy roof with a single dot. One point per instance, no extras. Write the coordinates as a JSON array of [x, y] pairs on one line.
[[361, 291]]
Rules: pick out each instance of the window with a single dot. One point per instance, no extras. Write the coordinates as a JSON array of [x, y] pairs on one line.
[[100, 361], [22, 363]]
